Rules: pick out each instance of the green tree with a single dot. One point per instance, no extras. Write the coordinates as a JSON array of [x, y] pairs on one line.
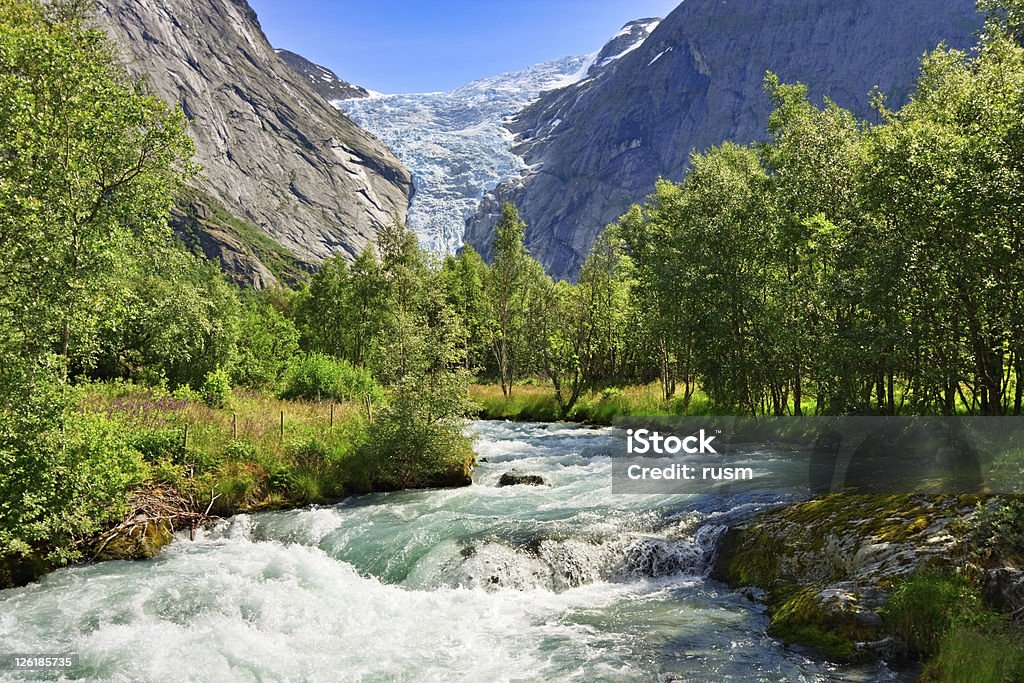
[[816, 160], [267, 341], [513, 278], [177, 320], [947, 182], [90, 164], [464, 277]]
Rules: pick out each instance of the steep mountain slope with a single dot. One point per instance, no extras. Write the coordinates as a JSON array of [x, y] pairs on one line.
[[325, 82], [275, 153], [455, 143], [597, 146]]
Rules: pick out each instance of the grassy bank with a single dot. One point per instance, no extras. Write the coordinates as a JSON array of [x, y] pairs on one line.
[[536, 402], [133, 464]]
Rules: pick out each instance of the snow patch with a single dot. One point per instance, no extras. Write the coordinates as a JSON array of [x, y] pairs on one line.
[[658, 56]]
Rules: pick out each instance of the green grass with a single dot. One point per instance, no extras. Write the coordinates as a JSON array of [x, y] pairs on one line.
[[535, 402], [285, 265], [944, 620], [968, 654]]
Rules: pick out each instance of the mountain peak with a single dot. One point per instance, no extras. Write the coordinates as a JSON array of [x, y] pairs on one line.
[[275, 155], [660, 90], [324, 81]]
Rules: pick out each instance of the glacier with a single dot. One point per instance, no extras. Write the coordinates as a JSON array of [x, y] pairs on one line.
[[456, 144]]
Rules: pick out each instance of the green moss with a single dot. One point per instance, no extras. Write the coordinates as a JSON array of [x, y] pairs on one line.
[[803, 619], [785, 551], [752, 558], [143, 541]]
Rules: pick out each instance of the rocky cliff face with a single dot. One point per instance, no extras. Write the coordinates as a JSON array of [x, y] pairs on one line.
[[597, 146], [275, 153], [325, 82]]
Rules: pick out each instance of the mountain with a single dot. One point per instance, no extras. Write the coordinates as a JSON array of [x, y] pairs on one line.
[[287, 178], [325, 82], [456, 144], [597, 146]]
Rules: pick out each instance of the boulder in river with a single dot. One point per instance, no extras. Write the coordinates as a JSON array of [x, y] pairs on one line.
[[514, 478]]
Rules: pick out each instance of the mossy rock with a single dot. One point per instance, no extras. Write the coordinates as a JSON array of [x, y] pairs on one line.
[[19, 571], [832, 625], [825, 565], [142, 541]]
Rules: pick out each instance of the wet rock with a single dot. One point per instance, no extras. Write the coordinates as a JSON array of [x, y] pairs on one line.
[[515, 478], [140, 541], [824, 566], [1004, 589]]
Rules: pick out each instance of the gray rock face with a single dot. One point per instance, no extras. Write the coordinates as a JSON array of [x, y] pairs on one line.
[[598, 146], [275, 153], [325, 82]]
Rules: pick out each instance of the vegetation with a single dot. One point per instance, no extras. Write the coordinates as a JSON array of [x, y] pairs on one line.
[[134, 379], [943, 618], [839, 267]]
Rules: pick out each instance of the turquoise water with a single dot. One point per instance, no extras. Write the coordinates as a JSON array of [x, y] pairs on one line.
[[566, 582]]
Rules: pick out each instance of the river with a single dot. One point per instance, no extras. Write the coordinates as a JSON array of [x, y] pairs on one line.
[[566, 582]]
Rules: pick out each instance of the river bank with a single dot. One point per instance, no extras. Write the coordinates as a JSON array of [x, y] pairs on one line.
[[904, 578], [160, 462], [536, 402]]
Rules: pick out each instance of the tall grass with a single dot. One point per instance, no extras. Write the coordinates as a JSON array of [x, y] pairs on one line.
[[240, 457], [536, 402], [943, 618]]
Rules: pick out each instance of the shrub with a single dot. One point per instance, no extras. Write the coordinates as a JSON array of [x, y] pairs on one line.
[[408, 447], [66, 487], [187, 393], [238, 486], [158, 444], [266, 342], [317, 377], [311, 454], [216, 391], [998, 528], [240, 450]]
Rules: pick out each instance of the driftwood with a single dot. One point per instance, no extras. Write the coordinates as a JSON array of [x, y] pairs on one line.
[[154, 504]]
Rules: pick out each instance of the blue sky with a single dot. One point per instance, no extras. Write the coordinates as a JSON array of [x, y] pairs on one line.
[[422, 46]]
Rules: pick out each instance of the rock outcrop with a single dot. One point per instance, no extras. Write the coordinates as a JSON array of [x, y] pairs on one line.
[[824, 567], [275, 154], [598, 146]]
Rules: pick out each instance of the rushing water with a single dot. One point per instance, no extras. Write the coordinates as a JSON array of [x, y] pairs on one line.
[[566, 582]]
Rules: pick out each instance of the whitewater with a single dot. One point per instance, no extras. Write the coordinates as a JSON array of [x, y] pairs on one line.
[[563, 582]]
